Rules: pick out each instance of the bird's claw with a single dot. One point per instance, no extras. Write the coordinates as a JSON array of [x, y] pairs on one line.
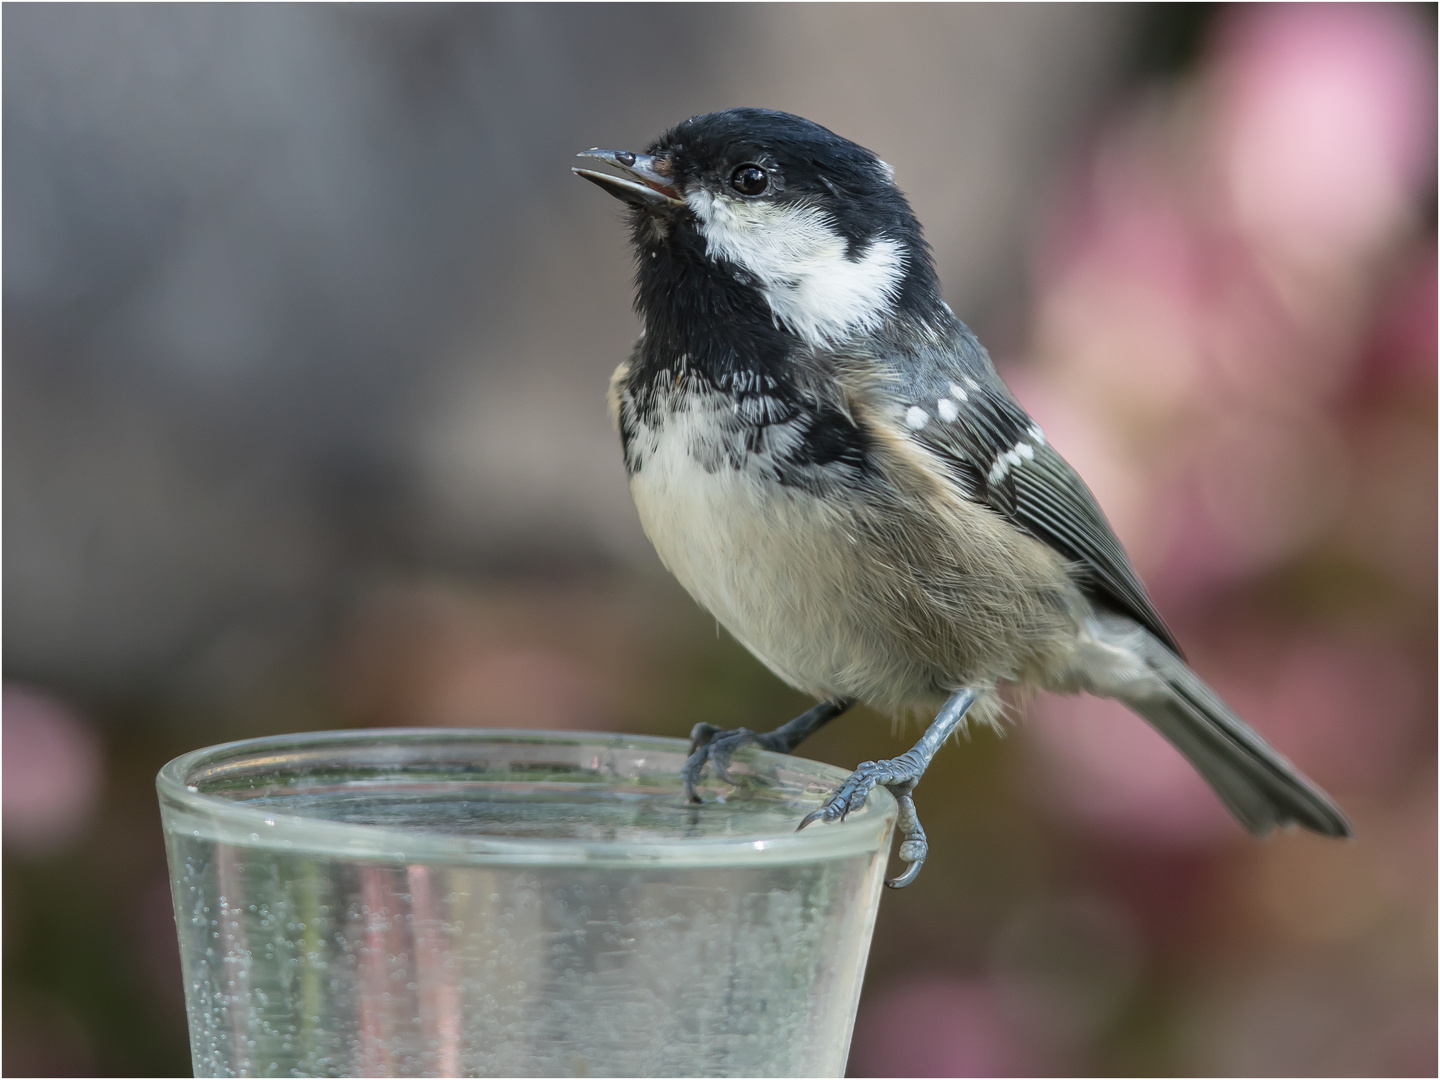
[[900, 777], [848, 796], [913, 845], [829, 812], [717, 746]]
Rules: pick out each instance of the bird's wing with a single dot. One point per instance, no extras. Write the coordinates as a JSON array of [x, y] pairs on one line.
[[1000, 457]]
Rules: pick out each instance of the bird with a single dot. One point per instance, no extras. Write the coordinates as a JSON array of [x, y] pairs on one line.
[[823, 455]]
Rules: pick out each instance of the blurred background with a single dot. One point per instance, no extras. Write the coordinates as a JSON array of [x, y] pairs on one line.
[[307, 331]]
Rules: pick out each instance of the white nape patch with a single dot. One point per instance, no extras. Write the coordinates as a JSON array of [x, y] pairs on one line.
[[813, 287], [948, 409], [916, 417], [958, 392]]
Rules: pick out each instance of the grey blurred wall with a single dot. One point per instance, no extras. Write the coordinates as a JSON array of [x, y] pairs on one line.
[[296, 297]]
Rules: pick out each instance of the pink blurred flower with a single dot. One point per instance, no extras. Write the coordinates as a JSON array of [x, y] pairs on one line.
[[1249, 492], [1205, 300], [1403, 349], [1121, 286], [1102, 767], [1326, 123], [1348, 710], [938, 1025], [52, 771]]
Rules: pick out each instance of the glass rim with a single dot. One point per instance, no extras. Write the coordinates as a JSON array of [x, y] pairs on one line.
[[233, 821]]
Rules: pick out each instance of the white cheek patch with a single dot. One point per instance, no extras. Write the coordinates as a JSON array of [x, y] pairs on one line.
[[814, 289]]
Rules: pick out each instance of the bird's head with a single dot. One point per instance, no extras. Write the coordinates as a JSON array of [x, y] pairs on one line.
[[779, 205]]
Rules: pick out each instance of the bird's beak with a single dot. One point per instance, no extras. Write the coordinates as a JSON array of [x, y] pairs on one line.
[[653, 191]]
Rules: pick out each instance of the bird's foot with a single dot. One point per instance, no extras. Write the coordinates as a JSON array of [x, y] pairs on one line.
[[901, 772], [717, 745], [899, 775], [913, 845]]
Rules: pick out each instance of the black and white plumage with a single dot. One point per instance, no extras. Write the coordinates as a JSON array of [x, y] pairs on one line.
[[823, 455]]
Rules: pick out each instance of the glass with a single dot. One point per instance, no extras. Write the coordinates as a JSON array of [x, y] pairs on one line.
[[452, 902]]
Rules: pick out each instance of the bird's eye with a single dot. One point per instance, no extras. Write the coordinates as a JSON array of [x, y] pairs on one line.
[[749, 179]]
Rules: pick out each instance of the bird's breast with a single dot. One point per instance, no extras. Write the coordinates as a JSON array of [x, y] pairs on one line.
[[850, 576], [772, 560]]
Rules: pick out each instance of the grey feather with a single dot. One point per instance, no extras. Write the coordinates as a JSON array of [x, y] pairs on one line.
[[1259, 786], [1053, 504], [1040, 494]]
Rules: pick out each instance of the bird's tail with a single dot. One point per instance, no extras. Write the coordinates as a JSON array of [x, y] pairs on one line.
[[1259, 786]]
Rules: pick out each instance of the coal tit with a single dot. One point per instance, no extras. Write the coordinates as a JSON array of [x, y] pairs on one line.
[[823, 455]]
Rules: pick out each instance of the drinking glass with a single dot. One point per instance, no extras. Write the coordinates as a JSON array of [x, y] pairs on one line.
[[447, 902]]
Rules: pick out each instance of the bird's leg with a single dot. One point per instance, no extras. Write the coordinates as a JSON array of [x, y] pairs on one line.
[[900, 775], [717, 746]]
